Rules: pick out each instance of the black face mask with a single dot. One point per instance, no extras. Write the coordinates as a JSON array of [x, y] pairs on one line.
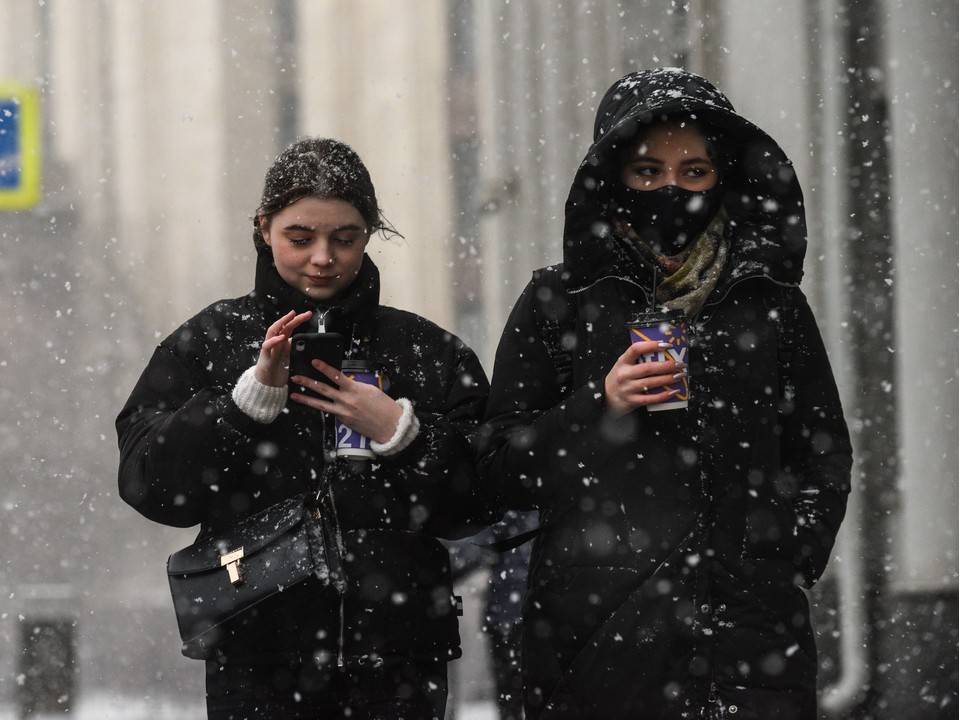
[[668, 218]]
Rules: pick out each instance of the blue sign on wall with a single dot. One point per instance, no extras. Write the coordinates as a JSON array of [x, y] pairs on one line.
[[19, 147]]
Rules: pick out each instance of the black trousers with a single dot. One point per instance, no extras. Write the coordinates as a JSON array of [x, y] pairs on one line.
[[318, 689]]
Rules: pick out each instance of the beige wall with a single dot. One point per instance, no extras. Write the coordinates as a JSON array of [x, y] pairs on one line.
[[924, 179], [165, 116], [384, 91]]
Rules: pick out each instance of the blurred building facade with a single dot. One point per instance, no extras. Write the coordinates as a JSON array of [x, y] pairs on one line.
[[160, 118]]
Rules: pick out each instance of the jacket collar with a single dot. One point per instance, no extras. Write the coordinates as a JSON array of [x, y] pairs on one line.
[[351, 315]]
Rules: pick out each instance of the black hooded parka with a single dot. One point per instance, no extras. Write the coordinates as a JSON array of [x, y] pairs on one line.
[[189, 456], [666, 579]]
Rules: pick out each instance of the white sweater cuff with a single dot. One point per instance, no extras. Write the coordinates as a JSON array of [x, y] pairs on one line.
[[407, 430], [261, 402]]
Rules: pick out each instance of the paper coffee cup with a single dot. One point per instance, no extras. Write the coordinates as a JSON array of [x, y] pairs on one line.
[[668, 326], [350, 443]]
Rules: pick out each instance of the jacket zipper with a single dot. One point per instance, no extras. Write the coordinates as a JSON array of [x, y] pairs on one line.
[[341, 613], [338, 538], [730, 288], [330, 456], [584, 288], [646, 294]]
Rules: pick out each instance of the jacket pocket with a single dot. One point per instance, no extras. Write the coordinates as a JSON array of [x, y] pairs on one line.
[[400, 595], [770, 527], [768, 616]]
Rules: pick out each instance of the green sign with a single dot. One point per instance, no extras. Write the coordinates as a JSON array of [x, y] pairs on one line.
[[19, 147]]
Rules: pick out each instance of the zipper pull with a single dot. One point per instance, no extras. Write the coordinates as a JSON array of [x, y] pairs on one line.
[[712, 697]]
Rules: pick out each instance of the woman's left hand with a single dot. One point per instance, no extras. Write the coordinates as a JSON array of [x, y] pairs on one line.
[[363, 408]]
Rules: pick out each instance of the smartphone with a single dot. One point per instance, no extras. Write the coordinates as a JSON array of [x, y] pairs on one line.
[[305, 348]]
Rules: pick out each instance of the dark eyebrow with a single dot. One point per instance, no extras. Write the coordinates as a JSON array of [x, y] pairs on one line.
[[645, 158], [297, 227], [697, 159], [354, 228], [656, 161]]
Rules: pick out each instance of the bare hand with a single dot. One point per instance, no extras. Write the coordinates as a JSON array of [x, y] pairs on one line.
[[273, 365], [363, 408], [631, 384]]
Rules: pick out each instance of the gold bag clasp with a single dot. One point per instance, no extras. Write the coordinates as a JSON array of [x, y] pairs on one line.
[[232, 562]]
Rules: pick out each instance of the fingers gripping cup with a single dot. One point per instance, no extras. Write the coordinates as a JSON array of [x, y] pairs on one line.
[[352, 444], [664, 327]]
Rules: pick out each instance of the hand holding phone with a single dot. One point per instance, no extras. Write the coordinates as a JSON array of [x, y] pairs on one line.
[[307, 347]]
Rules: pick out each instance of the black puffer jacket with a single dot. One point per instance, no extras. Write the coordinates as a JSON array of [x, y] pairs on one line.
[[666, 579], [189, 456]]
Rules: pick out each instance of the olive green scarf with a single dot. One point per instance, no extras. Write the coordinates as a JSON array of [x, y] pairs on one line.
[[691, 275]]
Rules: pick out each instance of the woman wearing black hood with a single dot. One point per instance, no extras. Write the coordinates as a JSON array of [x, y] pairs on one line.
[[208, 437], [666, 578]]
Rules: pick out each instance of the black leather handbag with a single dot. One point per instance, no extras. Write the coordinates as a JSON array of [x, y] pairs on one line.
[[217, 581]]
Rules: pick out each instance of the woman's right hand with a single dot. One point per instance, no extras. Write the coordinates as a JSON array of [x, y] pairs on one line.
[[631, 384], [273, 365]]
